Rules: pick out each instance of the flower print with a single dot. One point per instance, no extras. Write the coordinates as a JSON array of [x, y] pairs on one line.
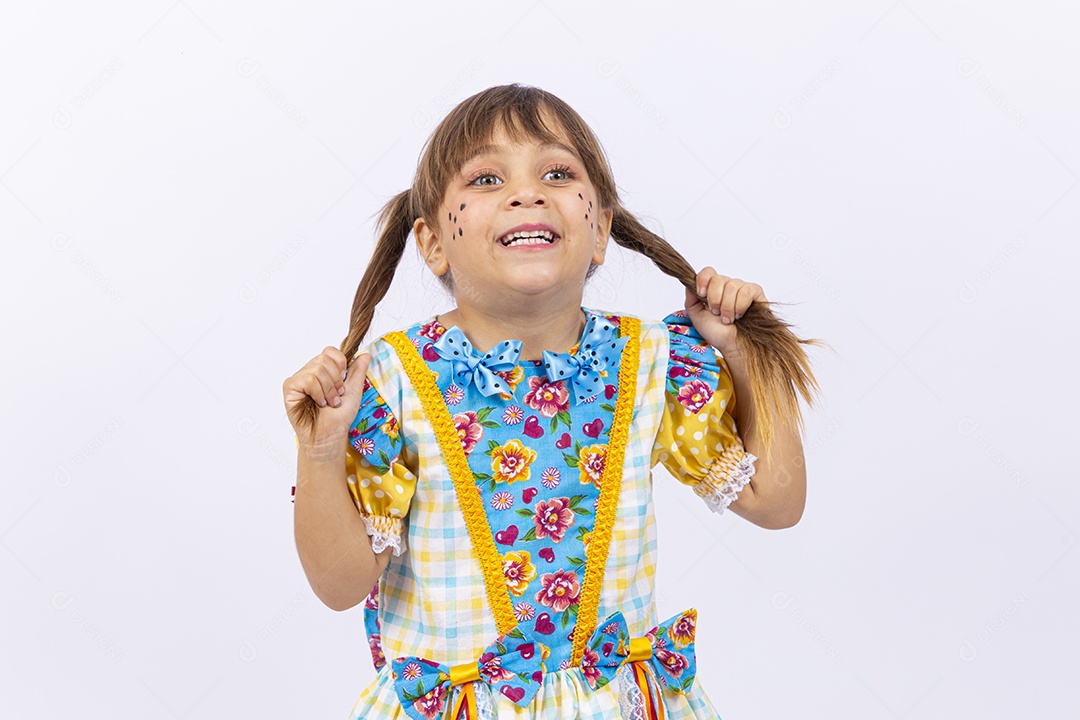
[[698, 347], [674, 663], [585, 541], [547, 398], [432, 330], [552, 518], [564, 664], [611, 628], [590, 399], [694, 395], [550, 478], [513, 415], [681, 631], [524, 611], [491, 668], [510, 462], [430, 705], [375, 646], [518, 571], [365, 446], [371, 602], [390, 426], [469, 430], [453, 395], [411, 671], [591, 463], [559, 590], [512, 378], [589, 659], [502, 500]]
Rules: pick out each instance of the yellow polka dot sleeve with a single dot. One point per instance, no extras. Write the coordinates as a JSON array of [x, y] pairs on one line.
[[381, 478], [380, 473], [699, 441]]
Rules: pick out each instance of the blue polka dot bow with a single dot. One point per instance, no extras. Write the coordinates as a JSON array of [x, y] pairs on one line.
[[513, 664], [469, 366], [667, 651], [599, 350]]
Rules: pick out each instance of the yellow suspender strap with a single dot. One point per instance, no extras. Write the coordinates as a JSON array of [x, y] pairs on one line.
[[468, 495], [610, 485]]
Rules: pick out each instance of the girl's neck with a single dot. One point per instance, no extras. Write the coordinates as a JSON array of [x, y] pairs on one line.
[[552, 329]]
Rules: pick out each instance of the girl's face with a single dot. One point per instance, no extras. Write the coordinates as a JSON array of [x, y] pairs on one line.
[[508, 190]]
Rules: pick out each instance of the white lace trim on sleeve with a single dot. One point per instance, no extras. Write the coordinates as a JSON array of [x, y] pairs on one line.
[[385, 533], [728, 474]]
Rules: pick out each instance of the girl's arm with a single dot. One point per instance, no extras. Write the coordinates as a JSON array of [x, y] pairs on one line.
[[776, 496], [331, 540]]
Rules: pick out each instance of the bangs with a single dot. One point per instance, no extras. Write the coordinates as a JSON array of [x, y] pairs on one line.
[[477, 127]]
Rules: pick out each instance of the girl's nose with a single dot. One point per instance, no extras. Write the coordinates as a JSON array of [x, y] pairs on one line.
[[527, 192]]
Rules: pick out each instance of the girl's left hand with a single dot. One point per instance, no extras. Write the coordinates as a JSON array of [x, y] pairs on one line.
[[724, 299]]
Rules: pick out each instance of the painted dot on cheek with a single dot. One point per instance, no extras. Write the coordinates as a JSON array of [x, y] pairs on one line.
[[462, 207], [460, 232], [579, 195], [455, 219], [449, 216]]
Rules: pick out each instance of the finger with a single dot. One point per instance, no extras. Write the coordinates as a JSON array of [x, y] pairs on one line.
[[357, 373], [338, 358], [727, 303], [703, 279], [326, 375], [747, 294], [716, 293], [693, 302]]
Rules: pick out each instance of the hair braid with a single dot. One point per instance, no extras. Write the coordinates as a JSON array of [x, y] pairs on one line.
[[778, 366]]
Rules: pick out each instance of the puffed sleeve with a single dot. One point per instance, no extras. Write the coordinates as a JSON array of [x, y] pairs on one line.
[[699, 442], [381, 478]]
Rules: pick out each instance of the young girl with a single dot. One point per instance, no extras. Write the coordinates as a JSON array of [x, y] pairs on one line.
[[488, 469]]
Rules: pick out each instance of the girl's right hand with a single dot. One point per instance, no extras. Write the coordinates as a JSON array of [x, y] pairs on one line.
[[317, 397]]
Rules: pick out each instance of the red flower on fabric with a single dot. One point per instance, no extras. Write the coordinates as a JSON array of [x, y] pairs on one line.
[[559, 590], [694, 395], [491, 668], [469, 430], [589, 659], [431, 703], [552, 518], [673, 662], [547, 398], [432, 330]]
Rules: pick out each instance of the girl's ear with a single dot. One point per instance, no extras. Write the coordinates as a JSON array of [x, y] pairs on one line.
[[603, 234], [430, 246]]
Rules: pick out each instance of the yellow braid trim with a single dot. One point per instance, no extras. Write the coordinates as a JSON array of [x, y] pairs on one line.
[[468, 495], [610, 485]]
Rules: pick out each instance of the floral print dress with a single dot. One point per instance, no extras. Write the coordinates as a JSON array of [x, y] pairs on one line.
[[515, 496]]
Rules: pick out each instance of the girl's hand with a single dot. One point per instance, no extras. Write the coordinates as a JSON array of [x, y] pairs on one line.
[[724, 298], [338, 400]]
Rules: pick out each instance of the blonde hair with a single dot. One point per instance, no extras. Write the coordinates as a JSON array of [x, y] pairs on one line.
[[777, 364]]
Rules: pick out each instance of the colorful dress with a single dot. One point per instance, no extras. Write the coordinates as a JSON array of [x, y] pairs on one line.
[[516, 498]]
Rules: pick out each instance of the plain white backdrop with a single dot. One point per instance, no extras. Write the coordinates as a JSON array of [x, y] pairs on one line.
[[187, 194]]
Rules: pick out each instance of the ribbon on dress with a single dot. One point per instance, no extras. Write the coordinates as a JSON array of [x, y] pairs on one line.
[[599, 350], [665, 654], [470, 366], [514, 663]]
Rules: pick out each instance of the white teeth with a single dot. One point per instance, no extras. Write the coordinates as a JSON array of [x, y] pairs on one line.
[[530, 237]]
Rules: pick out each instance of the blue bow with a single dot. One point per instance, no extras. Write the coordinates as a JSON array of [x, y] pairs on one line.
[[668, 650], [471, 367], [599, 350], [513, 663]]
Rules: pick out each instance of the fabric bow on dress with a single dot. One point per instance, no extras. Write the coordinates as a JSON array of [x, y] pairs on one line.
[[666, 653], [598, 350], [470, 366], [513, 663]]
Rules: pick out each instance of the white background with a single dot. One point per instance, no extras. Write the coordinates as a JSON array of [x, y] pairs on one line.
[[186, 205]]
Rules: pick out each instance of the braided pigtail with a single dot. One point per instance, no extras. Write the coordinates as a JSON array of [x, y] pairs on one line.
[[393, 228], [778, 366]]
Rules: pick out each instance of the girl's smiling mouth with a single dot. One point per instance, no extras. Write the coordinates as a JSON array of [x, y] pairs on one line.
[[529, 235]]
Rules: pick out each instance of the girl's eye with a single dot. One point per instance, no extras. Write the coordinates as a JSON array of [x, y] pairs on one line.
[[483, 176], [566, 172]]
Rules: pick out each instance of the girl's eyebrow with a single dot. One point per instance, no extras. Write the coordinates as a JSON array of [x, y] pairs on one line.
[[490, 149]]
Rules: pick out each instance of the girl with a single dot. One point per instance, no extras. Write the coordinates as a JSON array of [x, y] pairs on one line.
[[498, 455]]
